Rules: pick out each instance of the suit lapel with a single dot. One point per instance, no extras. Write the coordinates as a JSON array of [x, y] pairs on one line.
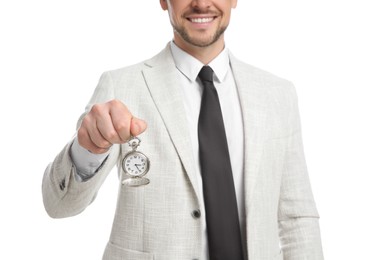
[[161, 78], [253, 96]]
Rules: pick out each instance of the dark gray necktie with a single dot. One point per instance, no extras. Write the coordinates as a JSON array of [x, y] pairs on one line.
[[223, 229]]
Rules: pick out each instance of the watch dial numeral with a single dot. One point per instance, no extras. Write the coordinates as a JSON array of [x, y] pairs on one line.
[[136, 164]]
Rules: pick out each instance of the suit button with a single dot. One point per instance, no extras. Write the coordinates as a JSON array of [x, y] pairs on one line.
[[62, 185], [196, 213]]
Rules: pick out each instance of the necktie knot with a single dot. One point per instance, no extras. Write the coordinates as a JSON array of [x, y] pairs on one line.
[[206, 74]]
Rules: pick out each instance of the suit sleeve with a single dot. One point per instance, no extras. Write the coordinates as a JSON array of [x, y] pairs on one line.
[[63, 195], [297, 214]]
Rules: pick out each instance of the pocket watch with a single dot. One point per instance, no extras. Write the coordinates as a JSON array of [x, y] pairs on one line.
[[135, 165]]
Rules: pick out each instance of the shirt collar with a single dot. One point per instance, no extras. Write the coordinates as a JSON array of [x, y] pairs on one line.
[[190, 66]]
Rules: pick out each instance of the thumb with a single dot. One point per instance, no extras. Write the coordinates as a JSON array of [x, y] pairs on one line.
[[138, 126]]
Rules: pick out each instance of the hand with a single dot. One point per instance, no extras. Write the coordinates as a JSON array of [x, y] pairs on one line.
[[107, 124]]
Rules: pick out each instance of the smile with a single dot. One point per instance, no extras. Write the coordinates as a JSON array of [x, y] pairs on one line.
[[202, 20]]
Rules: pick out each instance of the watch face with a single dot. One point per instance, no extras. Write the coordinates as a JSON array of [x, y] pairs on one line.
[[135, 164]]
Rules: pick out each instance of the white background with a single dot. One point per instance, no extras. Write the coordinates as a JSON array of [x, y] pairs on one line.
[[53, 52]]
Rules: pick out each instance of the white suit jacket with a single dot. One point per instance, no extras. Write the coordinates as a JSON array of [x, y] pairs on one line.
[[156, 221]]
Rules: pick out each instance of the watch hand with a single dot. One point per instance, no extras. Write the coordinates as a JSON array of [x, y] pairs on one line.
[[137, 167]]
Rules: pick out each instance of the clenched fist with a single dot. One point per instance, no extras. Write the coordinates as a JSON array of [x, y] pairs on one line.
[[107, 124]]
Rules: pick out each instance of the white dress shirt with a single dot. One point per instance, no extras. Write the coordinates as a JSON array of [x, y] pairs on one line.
[[188, 69]]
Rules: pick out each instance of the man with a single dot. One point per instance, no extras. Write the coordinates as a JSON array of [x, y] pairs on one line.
[[227, 177]]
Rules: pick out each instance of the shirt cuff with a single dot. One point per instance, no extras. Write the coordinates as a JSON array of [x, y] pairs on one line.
[[85, 162]]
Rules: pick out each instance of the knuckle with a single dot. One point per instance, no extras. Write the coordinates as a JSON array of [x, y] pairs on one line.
[[111, 136], [96, 109], [121, 126], [86, 121], [118, 105], [129, 116], [103, 144], [115, 103]]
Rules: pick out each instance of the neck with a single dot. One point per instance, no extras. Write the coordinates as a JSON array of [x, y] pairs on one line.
[[203, 54]]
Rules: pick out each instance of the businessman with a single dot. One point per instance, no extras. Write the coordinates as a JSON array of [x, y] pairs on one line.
[[217, 171]]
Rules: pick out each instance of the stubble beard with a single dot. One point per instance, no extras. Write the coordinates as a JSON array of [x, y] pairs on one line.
[[199, 42]]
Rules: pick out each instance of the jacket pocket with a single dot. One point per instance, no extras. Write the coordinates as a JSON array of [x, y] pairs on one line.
[[114, 252]]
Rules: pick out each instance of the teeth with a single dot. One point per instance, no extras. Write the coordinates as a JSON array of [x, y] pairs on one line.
[[201, 20]]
